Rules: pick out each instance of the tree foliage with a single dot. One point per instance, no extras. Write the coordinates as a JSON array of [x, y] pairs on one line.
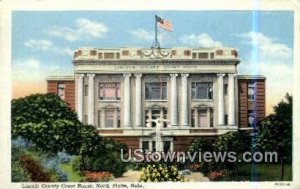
[[275, 131], [41, 108], [46, 121], [235, 141]]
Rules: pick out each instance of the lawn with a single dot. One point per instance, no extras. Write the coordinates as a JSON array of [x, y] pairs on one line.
[[265, 172], [72, 176]]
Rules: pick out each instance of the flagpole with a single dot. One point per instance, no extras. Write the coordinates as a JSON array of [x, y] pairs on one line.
[[156, 43]]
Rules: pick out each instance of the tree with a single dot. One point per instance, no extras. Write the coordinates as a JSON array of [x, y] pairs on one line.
[[100, 154], [275, 132], [235, 141], [46, 121]]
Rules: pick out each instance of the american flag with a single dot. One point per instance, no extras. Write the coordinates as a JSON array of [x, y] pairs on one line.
[[164, 24]]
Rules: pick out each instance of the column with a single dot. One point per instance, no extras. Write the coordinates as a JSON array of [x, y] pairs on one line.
[[196, 117], [231, 99], [116, 118], [138, 100], [173, 100], [127, 100], [79, 95], [221, 100], [184, 100], [91, 99]]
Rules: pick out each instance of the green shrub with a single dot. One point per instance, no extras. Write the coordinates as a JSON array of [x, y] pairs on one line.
[[99, 154], [109, 162], [161, 173], [76, 164], [203, 145], [18, 173], [48, 122], [234, 141]]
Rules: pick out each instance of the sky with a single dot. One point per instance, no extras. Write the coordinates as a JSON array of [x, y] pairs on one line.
[[43, 42]]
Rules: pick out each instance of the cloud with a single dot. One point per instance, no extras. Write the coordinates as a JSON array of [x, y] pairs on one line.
[[142, 34], [272, 59], [42, 44], [48, 46], [32, 69], [268, 47], [29, 76], [29, 69], [67, 51], [64, 51], [200, 40], [83, 29]]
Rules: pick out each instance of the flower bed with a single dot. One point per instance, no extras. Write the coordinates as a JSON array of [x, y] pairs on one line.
[[98, 176], [161, 173], [215, 175]]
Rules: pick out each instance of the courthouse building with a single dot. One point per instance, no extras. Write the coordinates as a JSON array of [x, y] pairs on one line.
[[161, 99]]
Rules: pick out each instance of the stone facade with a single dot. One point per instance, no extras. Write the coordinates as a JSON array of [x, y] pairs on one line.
[[193, 93]]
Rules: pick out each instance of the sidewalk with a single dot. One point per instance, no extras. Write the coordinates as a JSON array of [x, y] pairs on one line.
[[133, 176]]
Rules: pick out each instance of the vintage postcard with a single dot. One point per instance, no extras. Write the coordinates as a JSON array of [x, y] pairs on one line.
[[147, 95]]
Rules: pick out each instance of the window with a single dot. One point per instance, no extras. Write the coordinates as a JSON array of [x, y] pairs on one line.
[[125, 53], [173, 52], [153, 146], [219, 52], [139, 53], [212, 55], [145, 146], [93, 53], [202, 90], [156, 91], [251, 118], [187, 53], [155, 114], [251, 91], [100, 55], [86, 90], [118, 55], [109, 55], [109, 118], [149, 144], [167, 146], [109, 91], [226, 119], [61, 90], [194, 55], [203, 55], [225, 89], [76, 54]]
